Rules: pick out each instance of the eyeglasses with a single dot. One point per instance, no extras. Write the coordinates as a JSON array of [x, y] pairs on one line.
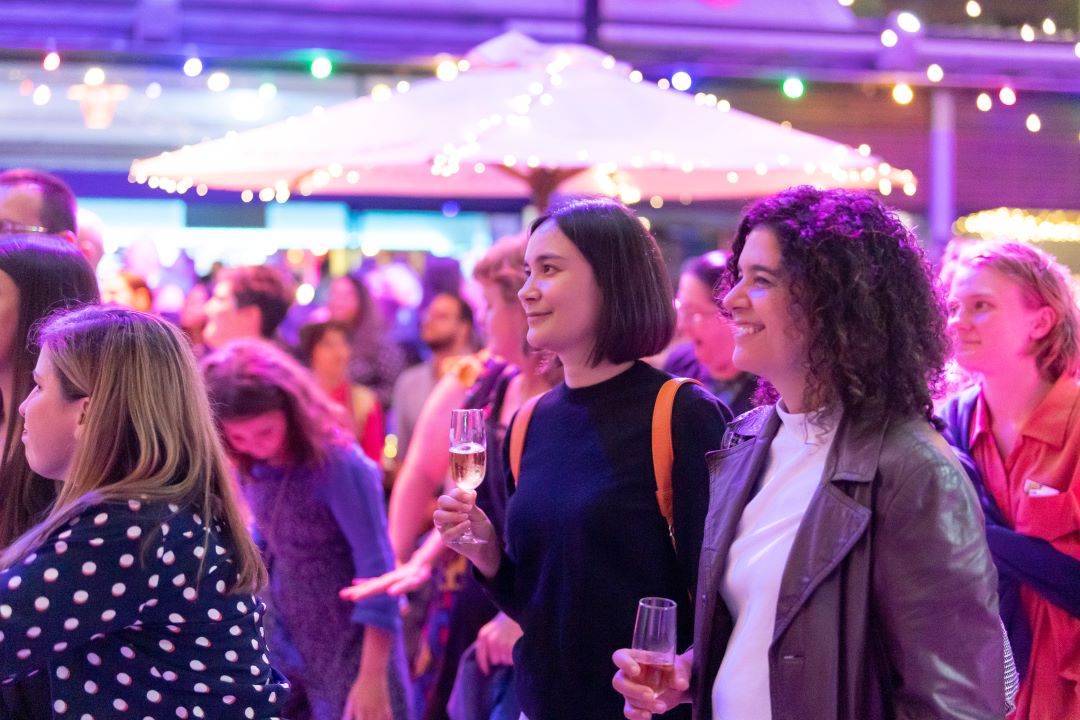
[[691, 316], [10, 227]]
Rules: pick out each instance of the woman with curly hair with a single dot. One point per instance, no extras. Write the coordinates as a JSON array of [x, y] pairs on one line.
[[844, 572], [1016, 325]]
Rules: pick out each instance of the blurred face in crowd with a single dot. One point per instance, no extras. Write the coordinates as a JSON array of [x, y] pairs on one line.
[[702, 324], [442, 327], [343, 302], [992, 326], [116, 291], [562, 298], [9, 320], [225, 321], [504, 322], [52, 423], [260, 437], [330, 357], [20, 208], [768, 341]]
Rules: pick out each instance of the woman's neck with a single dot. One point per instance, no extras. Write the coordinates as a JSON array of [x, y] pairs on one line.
[[1012, 395], [579, 373]]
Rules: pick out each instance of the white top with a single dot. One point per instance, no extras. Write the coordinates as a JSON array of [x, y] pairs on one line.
[[756, 562]]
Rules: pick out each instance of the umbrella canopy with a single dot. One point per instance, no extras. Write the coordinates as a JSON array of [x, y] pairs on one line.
[[524, 120]]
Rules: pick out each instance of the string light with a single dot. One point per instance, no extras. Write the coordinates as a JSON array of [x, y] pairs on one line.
[[193, 67], [663, 83], [94, 76], [1027, 33], [794, 88], [218, 81], [321, 67], [51, 61], [889, 38], [908, 22], [846, 3], [973, 9], [1049, 26], [1007, 96], [681, 81], [42, 95], [902, 93], [1033, 123], [934, 73], [983, 102], [636, 76]]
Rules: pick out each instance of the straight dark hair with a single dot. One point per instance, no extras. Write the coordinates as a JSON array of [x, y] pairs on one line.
[[50, 274], [637, 315]]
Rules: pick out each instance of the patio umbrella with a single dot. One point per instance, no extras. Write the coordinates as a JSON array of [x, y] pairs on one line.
[[525, 120]]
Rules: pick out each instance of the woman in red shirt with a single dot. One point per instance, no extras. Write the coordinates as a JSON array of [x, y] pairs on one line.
[[1015, 324]]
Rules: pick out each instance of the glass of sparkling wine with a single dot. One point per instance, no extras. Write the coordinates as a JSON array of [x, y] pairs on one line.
[[468, 456], [653, 648]]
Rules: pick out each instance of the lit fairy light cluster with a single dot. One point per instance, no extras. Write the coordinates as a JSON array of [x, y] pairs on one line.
[[903, 93], [542, 92], [1031, 226]]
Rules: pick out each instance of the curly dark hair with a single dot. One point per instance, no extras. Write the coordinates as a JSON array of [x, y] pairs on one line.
[[863, 294]]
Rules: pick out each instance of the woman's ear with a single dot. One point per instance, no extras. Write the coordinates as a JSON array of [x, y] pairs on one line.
[[84, 408], [1043, 323]]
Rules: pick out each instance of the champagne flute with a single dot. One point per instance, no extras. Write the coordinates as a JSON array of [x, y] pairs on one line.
[[653, 648], [468, 457]]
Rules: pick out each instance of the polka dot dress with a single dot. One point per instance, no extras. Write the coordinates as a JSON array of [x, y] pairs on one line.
[[128, 609]]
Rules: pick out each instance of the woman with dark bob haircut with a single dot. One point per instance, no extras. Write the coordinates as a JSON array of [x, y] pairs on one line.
[[585, 536], [845, 572]]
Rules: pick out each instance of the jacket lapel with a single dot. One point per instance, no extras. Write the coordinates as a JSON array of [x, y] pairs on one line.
[[734, 476], [834, 522]]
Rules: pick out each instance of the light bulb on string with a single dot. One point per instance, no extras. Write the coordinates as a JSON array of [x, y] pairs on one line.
[[51, 61], [1027, 33], [983, 102], [1049, 26], [973, 9], [934, 73], [1007, 96], [903, 94]]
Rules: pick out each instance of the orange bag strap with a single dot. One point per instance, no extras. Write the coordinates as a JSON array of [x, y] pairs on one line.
[[663, 454], [517, 434]]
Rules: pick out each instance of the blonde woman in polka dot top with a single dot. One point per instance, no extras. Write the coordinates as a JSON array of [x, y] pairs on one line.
[[134, 594]]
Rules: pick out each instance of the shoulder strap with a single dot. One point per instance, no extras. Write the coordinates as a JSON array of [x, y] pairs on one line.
[[663, 453], [517, 434]]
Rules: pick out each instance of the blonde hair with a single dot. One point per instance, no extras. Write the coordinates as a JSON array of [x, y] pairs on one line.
[[148, 432], [1043, 283], [503, 266]]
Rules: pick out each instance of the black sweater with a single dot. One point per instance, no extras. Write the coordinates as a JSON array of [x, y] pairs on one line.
[[585, 539]]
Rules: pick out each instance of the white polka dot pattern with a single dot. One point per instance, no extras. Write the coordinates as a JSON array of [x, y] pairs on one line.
[[109, 604]]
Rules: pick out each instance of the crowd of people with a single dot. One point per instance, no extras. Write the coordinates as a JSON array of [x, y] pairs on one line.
[[864, 498]]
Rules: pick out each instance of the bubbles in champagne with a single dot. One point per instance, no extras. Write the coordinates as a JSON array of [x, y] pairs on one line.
[[467, 462]]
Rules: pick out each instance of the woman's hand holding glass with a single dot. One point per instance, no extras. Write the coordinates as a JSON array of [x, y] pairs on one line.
[[454, 514], [641, 700], [651, 678]]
